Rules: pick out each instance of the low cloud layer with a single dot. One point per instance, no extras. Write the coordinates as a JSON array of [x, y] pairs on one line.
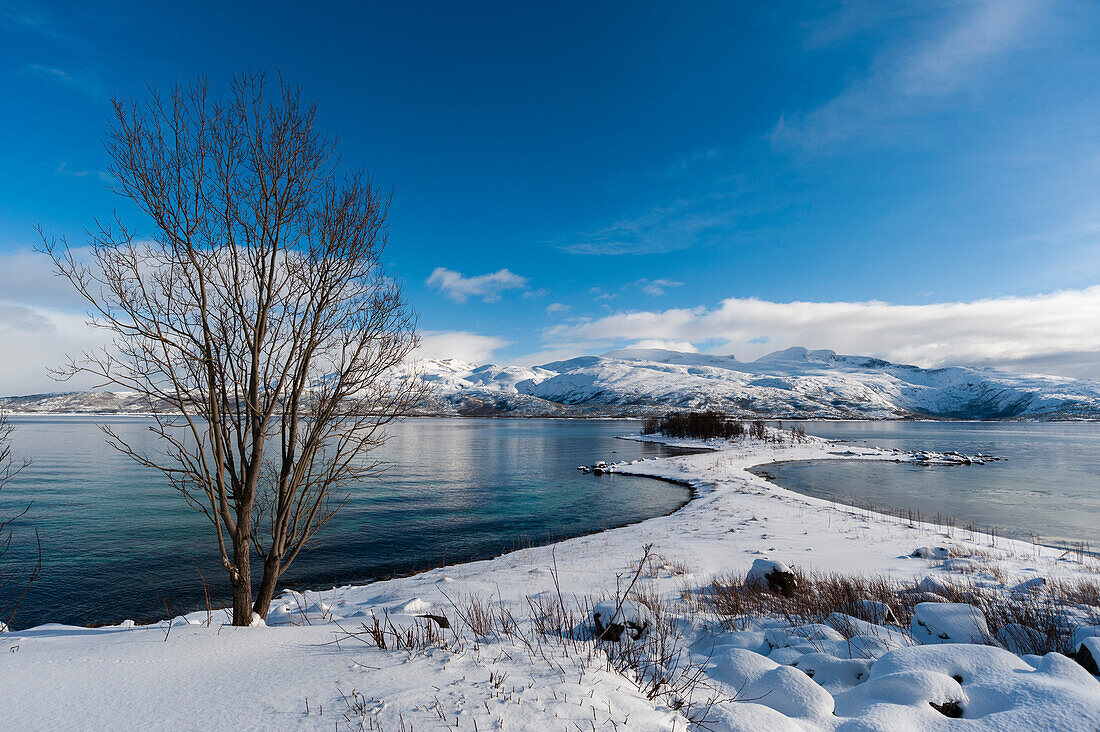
[[1057, 332], [38, 339], [488, 287], [459, 344]]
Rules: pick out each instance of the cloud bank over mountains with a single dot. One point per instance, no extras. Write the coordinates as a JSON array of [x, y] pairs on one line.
[[1056, 331], [42, 321]]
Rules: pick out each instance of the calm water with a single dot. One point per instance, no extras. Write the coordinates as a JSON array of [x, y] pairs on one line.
[[116, 538], [1049, 483]]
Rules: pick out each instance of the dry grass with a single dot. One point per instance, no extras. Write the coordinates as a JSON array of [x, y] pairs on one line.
[[1048, 615], [556, 628]]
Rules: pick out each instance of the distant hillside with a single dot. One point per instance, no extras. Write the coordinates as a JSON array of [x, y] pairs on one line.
[[795, 383]]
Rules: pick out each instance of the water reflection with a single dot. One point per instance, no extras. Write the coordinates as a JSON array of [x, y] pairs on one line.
[[116, 537], [1048, 485]]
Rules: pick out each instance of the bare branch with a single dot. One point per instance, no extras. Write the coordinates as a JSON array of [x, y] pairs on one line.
[[256, 319]]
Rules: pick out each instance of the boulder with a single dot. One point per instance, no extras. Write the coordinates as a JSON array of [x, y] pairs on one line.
[[778, 577], [1088, 655], [1020, 639], [948, 622], [616, 622], [1081, 632], [1029, 587], [932, 552]]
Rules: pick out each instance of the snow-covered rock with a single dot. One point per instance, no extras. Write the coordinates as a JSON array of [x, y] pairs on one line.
[[1082, 632], [1030, 587], [913, 688], [873, 611], [948, 622], [1088, 654], [776, 576], [1020, 639], [932, 552], [621, 621]]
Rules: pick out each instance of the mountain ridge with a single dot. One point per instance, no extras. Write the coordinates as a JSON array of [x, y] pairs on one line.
[[795, 383]]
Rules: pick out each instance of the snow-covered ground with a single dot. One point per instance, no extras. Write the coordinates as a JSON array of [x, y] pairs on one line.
[[307, 669]]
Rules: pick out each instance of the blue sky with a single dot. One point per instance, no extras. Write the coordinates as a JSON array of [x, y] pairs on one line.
[[917, 181]]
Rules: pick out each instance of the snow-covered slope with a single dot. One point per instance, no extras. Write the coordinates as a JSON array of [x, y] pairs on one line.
[[468, 389], [801, 383], [794, 383], [78, 402]]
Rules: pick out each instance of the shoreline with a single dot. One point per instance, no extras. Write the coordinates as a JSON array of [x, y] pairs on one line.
[[853, 501], [644, 468]]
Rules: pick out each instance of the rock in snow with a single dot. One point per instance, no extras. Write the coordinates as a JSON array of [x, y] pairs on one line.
[[623, 621], [1088, 654], [948, 622], [777, 576]]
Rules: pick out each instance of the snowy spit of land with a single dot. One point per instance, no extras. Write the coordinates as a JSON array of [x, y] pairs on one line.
[[584, 635]]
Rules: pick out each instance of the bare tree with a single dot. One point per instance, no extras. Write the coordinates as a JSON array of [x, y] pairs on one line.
[[15, 578], [257, 320]]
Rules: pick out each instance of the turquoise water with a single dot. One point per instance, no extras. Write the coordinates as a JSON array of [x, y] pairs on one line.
[[118, 542], [116, 539], [1047, 487]]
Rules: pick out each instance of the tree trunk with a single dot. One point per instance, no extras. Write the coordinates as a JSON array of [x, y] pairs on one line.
[[242, 584], [267, 587]]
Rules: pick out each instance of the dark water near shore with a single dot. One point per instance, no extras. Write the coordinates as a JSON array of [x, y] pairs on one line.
[[1047, 487], [116, 539]]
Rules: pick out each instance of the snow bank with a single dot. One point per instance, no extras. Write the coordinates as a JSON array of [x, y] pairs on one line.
[[992, 687]]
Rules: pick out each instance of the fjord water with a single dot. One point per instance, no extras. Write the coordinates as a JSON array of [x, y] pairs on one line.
[[118, 542], [1047, 487]]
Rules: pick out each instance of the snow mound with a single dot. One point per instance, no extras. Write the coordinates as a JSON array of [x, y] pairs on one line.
[[761, 681], [948, 622], [991, 686]]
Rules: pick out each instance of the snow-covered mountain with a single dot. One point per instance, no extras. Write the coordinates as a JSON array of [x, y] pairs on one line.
[[800, 383], [794, 383]]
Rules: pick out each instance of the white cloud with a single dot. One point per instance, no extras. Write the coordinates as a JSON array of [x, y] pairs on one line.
[[458, 344], [657, 287], [561, 352], [683, 224], [63, 169], [555, 308], [50, 71], [29, 278], [682, 346], [488, 287], [37, 339], [42, 321], [918, 76], [1057, 330], [82, 80]]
